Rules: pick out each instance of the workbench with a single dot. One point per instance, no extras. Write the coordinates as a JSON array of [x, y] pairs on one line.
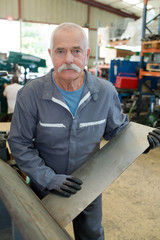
[[5, 126]]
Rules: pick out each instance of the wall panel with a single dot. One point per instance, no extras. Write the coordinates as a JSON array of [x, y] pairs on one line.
[[54, 11], [105, 18], [9, 8], [92, 42]]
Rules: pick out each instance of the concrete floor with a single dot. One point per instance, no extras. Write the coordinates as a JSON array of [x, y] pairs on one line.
[[131, 205], [6, 234]]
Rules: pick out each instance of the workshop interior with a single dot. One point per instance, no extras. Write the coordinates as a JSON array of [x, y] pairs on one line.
[[124, 38]]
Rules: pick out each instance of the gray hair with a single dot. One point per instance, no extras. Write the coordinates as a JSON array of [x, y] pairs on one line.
[[69, 25]]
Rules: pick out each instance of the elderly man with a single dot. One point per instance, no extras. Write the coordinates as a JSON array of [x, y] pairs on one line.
[[59, 121]]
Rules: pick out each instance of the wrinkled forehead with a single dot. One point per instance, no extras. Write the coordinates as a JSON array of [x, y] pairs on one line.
[[73, 31], [69, 35]]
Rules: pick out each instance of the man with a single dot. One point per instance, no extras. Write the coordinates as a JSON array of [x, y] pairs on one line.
[[59, 121], [10, 92]]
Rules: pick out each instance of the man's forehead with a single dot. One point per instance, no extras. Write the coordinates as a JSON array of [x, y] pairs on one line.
[[73, 47], [70, 38], [73, 34], [68, 29]]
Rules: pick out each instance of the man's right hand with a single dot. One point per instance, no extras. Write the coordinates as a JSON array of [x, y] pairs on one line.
[[66, 185]]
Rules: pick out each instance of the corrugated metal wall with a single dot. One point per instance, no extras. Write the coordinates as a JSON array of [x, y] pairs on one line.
[[54, 11], [104, 17], [58, 11], [45, 11], [9, 7]]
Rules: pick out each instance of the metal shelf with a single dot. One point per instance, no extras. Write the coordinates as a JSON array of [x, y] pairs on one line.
[[148, 74], [151, 46], [150, 50]]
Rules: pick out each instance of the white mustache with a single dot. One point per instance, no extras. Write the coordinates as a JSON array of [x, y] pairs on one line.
[[69, 66]]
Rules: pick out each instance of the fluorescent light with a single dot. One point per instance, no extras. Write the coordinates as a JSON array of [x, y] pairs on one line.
[[141, 5], [131, 2], [136, 3]]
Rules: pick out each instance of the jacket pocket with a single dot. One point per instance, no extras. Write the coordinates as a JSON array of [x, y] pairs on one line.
[[87, 124], [52, 125]]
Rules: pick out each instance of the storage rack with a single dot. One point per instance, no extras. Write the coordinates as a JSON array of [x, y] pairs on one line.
[[150, 47], [150, 70]]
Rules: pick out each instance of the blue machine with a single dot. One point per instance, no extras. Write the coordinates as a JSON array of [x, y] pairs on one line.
[[126, 66], [119, 66]]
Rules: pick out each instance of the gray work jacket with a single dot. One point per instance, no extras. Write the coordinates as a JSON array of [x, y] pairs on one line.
[[46, 139]]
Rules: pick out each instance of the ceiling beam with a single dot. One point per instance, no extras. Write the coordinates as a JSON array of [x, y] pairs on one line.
[[108, 8]]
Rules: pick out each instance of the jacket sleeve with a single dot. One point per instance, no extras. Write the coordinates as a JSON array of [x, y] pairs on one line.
[[21, 141], [116, 119]]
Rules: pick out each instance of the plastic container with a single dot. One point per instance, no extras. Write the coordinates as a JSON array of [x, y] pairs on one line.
[[127, 81]]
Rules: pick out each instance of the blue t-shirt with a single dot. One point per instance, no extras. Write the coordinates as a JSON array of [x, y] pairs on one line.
[[71, 98]]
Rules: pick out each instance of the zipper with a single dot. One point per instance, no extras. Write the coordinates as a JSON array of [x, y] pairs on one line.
[[62, 104]]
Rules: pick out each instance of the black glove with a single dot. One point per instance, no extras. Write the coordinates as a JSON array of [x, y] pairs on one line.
[[153, 139], [65, 185]]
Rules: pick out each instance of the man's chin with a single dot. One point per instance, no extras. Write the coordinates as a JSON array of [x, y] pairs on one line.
[[70, 73]]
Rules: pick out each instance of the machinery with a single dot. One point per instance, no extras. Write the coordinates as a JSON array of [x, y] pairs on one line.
[[141, 93], [27, 61], [11, 65], [139, 97]]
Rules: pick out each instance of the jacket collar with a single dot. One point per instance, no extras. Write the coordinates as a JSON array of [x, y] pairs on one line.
[[91, 86], [50, 90]]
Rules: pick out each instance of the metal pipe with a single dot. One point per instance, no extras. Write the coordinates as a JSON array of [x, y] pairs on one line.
[[26, 210]]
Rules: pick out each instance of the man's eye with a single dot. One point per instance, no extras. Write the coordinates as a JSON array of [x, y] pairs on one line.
[[60, 52], [76, 51]]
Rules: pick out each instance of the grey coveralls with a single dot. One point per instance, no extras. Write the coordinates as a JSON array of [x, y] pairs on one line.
[[45, 139]]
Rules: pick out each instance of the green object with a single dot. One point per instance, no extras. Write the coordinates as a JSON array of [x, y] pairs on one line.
[[151, 119], [27, 180], [5, 65], [26, 60], [132, 107]]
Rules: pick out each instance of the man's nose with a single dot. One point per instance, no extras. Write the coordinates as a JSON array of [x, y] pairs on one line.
[[69, 58]]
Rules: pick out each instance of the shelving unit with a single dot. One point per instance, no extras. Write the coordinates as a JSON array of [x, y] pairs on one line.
[[148, 71], [150, 47]]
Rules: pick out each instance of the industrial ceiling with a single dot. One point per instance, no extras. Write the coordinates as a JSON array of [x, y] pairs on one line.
[[133, 8]]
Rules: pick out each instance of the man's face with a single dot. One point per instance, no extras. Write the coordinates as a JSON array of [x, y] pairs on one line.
[[69, 52]]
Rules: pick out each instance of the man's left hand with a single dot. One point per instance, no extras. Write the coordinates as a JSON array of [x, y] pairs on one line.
[[153, 139]]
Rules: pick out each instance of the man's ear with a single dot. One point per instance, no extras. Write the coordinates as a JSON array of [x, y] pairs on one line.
[[49, 51], [88, 53]]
